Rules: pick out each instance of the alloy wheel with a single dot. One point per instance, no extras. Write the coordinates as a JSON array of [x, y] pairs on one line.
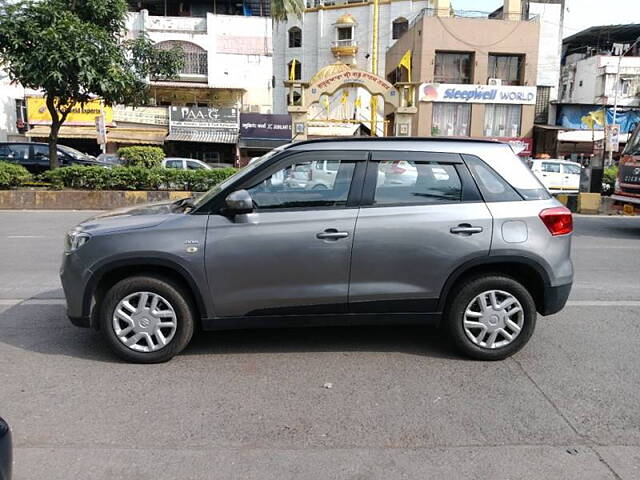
[[144, 321], [493, 319]]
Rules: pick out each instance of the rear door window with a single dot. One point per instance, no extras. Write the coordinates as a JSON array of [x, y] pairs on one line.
[[416, 183], [571, 169], [551, 167], [191, 165], [41, 154]]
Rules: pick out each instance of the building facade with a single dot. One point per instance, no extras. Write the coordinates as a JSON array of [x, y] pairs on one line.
[[333, 35], [600, 70], [478, 75]]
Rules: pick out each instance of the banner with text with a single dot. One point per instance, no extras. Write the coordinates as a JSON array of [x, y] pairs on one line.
[[265, 126], [38, 114], [446, 92]]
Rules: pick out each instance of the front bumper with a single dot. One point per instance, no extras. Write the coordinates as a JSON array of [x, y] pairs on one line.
[[555, 298], [74, 278]]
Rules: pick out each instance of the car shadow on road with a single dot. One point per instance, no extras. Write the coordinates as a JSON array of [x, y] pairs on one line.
[[44, 328], [415, 340]]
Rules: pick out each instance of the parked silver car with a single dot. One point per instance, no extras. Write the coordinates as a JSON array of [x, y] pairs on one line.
[[474, 242]]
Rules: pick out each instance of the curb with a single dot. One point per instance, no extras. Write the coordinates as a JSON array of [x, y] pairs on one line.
[[82, 199]]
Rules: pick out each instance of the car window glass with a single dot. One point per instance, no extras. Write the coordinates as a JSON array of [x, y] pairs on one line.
[[414, 183], [493, 187], [550, 167], [191, 165], [18, 152], [571, 169], [173, 164], [41, 153], [3, 151], [300, 185]]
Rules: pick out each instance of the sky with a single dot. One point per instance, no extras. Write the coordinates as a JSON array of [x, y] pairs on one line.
[[579, 14]]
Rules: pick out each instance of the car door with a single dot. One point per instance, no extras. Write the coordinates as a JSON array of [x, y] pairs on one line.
[[410, 236], [571, 177], [40, 158], [292, 254], [551, 176]]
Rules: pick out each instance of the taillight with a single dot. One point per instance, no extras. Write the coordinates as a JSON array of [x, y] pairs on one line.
[[558, 220], [396, 168]]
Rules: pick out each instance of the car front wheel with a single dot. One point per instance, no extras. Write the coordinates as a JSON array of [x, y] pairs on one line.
[[146, 319], [491, 317]]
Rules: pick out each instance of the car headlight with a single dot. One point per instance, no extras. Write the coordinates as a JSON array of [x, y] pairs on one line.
[[75, 239]]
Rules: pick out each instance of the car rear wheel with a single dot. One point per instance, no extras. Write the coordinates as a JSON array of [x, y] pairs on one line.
[[146, 319], [491, 317]]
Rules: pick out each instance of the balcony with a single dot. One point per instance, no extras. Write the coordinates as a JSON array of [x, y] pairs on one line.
[[344, 48]]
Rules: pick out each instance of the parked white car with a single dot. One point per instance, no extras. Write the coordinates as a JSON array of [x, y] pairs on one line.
[[558, 175], [185, 164]]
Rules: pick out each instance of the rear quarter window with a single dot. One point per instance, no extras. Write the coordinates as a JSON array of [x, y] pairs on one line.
[[495, 188]]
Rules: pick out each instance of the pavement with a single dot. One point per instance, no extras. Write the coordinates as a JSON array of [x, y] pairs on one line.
[[252, 404]]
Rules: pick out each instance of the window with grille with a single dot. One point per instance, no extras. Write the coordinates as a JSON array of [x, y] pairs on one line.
[[399, 26], [295, 37], [195, 57], [508, 68], [542, 105], [453, 67]]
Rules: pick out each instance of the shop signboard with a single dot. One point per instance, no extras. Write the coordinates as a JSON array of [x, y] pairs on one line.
[[38, 113], [203, 119], [454, 93], [265, 126]]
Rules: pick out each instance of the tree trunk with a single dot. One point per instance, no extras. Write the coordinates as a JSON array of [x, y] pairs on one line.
[[53, 144]]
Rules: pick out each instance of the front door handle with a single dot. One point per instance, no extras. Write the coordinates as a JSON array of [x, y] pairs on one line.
[[331, 234], [465, 229]]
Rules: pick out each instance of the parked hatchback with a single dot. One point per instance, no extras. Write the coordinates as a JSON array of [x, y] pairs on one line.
[[35, 156], [475, 243], [558, 175]]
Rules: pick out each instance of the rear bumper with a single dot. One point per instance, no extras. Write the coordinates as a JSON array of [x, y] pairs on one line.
[[623, 198], [555, 298]]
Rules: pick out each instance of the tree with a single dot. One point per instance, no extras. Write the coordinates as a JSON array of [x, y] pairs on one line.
[[280, 9], [75, 50]]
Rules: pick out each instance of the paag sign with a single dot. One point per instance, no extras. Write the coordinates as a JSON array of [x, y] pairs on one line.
[[204, 118], [38, 114], [446, 92]]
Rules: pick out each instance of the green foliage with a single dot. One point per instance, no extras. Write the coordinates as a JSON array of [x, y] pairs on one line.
[[280, 9], [76, 49], [135, 178], [609, 178], [13, 175], [140, 156]]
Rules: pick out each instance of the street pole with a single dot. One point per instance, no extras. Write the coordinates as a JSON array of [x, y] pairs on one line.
[[374, 67], [615, 110]]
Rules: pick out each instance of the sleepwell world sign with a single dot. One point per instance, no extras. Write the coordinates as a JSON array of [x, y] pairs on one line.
[[453, 93]]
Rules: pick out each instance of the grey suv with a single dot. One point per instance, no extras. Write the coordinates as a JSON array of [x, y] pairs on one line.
[[468, 238]]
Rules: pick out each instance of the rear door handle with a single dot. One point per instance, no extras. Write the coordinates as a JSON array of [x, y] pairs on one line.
[[465, 229], [331, 234]]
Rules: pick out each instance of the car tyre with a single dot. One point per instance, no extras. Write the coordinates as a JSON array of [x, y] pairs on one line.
[[172, 298], [466, 304]]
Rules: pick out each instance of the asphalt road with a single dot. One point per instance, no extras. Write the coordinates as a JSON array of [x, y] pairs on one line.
[[252, 404]]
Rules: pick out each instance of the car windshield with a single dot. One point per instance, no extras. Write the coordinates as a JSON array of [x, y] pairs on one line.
[[236, 176], [633, 145], [73, 152]]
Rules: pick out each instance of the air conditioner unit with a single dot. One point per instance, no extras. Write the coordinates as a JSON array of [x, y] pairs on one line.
[[496, 82]]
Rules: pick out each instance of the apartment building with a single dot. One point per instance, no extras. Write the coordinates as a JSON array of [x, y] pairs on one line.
[[478, 75]]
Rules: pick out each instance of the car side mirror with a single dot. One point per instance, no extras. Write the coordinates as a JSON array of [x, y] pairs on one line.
[[239, 202]]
